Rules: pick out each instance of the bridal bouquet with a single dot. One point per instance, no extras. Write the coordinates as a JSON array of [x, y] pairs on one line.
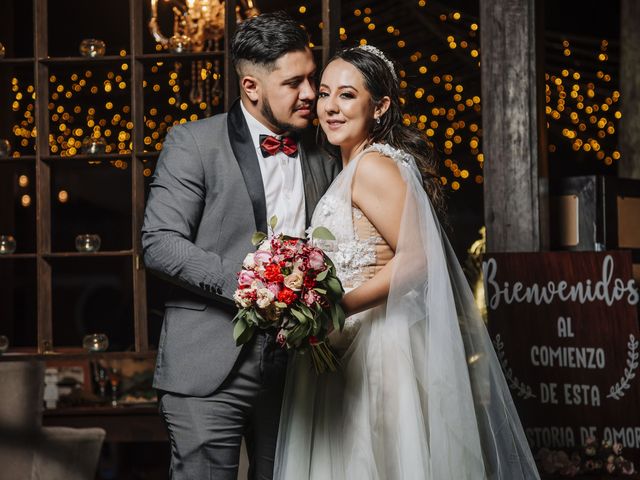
[[291, 285]]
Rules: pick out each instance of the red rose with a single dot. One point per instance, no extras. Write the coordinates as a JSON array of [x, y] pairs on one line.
[[272, 273], [287, 296], [313, 340], [309, 282]]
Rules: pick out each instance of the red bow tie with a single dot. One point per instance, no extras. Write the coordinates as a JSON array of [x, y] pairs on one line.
[[270, 145]]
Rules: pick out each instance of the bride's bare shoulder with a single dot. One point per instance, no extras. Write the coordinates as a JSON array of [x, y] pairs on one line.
[[376, 170]]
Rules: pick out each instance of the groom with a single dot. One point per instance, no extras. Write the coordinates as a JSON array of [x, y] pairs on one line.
[[217, 181]]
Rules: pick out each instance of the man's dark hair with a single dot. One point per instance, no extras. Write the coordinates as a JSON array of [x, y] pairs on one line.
[[262, 40]]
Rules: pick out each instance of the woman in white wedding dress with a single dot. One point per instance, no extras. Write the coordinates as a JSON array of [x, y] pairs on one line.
[[420, 394]]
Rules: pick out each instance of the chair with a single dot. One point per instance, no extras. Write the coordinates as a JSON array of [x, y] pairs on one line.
[[29, 451]]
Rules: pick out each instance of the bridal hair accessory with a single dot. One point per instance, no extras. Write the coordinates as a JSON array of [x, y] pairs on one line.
[[378, 53]]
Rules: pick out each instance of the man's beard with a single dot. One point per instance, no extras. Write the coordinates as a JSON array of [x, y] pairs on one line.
[[269, 116]]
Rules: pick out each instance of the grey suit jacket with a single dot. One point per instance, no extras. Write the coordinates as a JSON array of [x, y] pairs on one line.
[[206, 201]]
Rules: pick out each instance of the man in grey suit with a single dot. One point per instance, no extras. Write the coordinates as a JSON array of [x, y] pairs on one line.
[[216, 183]]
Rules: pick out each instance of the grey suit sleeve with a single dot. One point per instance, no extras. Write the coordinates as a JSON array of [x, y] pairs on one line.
[[171, 220]]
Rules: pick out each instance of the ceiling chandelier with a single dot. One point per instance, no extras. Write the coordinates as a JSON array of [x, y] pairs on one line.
[[198, 26]]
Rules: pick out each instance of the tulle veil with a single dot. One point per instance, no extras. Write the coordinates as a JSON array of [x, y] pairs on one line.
[[422, 394]]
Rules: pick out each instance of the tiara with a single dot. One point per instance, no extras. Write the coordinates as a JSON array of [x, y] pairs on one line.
[[378, 53]]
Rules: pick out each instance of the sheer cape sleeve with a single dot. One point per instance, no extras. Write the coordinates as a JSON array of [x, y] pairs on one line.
[[436, 404]]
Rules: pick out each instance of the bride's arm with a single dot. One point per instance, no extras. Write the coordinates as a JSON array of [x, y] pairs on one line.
[[379, 192]]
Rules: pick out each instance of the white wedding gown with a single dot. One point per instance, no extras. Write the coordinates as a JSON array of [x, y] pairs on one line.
[[420, 394]]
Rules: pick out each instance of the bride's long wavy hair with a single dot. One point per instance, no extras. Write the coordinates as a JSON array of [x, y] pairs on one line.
[[380, 82]]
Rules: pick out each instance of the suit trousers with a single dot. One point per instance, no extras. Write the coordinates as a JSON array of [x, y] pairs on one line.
[[206, 432]]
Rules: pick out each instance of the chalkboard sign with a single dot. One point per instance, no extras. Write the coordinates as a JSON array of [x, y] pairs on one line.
[[564, 325]]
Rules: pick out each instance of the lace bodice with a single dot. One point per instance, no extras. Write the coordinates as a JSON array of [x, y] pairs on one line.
[[359, 251]]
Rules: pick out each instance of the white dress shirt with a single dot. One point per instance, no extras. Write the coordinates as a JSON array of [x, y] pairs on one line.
[[283, 184]]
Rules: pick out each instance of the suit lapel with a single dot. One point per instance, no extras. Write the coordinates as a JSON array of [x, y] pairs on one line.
[[311, 192], [245, 153]]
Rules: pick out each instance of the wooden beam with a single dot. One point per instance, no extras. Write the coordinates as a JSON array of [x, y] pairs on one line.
[[231, 89], [629, 164], [43, 180], [140, 320], [330, 29], [514, 132]]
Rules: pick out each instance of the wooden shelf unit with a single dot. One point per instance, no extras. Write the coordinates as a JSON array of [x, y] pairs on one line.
[[43, 161]]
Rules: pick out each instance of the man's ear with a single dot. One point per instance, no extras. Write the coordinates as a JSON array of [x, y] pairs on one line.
[[251, 87], [382, 106]]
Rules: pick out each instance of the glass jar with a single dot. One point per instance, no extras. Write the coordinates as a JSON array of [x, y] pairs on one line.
[[88, 242], [179, 44], [95, 342], [4, 344], [7, 244], [92, 47], [5, 147], [94, 146]]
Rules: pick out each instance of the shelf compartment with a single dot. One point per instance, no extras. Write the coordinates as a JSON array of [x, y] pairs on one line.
[[90, 295], [18, 202], [93, 199], [18, 301]]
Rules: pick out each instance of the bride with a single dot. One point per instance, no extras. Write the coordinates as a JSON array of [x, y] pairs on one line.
[[420, 394]]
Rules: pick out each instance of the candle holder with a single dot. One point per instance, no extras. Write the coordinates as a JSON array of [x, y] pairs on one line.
[[95, 342], [7, 244], [4, 344], [179, 44], [92, 47], [94, 146], [88, 242], [5, 147]]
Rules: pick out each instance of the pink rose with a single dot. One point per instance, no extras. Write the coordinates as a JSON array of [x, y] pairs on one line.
[[261, 257], [617, 448], [274, 288], [316, 260], [281, 338], [310, 297], [246, 277]]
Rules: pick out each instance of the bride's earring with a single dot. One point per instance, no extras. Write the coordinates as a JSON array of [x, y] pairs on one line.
[[378, 120]]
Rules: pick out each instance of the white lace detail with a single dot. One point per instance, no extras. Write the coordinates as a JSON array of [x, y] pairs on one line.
[[351, 255], [404, 158]]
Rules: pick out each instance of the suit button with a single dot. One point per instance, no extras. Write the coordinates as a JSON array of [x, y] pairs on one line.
[[219, 291]]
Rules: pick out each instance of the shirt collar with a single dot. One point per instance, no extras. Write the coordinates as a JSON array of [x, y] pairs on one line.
[[255, 127]]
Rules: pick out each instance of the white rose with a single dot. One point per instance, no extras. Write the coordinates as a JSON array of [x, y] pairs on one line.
[[249, 262], [265, 245], [241, 300], [264, 297], [294, 280]]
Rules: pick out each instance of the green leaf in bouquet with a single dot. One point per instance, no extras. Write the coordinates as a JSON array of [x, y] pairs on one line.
[[241, 313], [273, 221], [296, 334], [335, 287], [322, 233], [243, 331], [337, 315], [321, 291], [257, 238], [299, 315], [328, 261], [281, 305], [322, 275], [306, 312]]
